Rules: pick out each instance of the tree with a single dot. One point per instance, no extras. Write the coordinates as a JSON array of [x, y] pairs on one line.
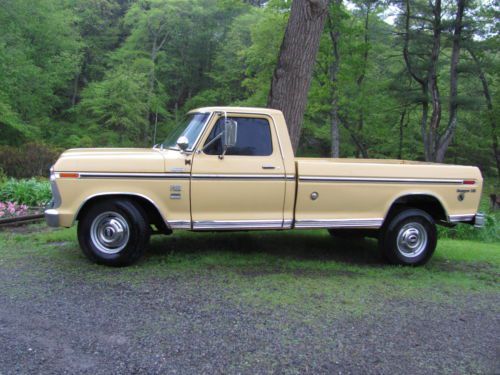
[[116, 107], [292, 75], [334, 33], [445, 139]]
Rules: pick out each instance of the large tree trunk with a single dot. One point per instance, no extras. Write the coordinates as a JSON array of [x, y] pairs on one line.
[[293, 73], [445, 139], [489, 105]]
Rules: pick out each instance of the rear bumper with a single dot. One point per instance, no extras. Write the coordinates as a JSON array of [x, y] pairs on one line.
[[479, 220]]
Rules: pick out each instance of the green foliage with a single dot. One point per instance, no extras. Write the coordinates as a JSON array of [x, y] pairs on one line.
[[83, 73], [31, 159], [116, 107], [39, 55], [32, 192]]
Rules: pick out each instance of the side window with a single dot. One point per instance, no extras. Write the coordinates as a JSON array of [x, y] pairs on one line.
[[254, 138]]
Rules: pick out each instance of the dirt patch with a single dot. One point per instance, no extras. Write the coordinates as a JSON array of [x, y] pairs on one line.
[[25, 228]]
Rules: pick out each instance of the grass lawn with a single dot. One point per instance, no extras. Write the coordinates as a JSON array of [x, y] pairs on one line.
[[263, 302], [302, 270]]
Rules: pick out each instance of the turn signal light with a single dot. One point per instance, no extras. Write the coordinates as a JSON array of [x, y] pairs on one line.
[[69, 175]]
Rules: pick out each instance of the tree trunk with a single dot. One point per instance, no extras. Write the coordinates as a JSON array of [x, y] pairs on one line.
[[74, 96], [292, 75], [334, 69], [489, 105], [363, 152], [401, 132], [445, 139], [422, 81], [432, 82]]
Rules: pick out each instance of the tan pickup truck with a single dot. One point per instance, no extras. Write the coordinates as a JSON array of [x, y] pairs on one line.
[[231, 168]]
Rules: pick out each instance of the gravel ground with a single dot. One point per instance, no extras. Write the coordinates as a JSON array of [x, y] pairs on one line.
[[52, 322]]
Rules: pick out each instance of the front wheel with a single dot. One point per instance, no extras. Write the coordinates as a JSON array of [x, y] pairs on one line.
[[409, 238], [113, 233]]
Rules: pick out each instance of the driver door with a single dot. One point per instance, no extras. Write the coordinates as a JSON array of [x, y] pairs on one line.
[[245, 188]]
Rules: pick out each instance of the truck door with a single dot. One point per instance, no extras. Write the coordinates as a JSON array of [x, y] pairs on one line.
[[245, 188]]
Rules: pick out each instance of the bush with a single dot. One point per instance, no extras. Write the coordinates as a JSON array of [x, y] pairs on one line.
[[30, 192], [29, 160]]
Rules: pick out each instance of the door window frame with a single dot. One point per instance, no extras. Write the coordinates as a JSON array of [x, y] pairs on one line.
[[276, 146]]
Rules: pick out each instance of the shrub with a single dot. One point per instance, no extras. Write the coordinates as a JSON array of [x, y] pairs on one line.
[[29, 160], [30, 192]]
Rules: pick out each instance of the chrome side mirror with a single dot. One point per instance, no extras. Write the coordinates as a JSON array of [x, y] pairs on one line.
[[230, 133], [183, 143]]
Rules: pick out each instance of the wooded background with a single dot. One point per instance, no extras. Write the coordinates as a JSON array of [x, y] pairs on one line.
[[390, 79]]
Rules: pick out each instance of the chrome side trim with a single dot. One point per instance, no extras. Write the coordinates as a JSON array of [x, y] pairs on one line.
[[134, 175], [287, 224], [460, 218], [179, 224], [340, 223], [381, 180], [237, 224], [238, 176]]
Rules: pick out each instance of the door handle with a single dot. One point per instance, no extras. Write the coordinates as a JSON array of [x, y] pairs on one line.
[[268, 166]]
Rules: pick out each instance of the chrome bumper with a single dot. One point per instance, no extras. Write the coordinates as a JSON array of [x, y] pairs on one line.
[[479, 220], [52, 217]]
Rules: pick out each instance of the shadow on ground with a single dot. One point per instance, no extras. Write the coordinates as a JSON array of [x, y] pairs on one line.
[[296, 246]]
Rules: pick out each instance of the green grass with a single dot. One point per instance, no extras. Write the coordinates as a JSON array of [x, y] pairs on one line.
[[297, 270]]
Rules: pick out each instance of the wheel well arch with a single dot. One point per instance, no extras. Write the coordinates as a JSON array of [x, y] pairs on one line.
[[423, 201], [149, 207]]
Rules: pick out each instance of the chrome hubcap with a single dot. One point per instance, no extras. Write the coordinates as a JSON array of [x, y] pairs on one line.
[[109, 232], [412, 240]]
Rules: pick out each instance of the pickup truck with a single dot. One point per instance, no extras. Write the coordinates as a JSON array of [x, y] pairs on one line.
[[231, 169]]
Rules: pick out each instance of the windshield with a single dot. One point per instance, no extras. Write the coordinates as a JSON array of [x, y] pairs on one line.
[[191, 128]]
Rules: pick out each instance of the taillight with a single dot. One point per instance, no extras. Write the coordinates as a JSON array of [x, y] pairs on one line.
[[469, 182]]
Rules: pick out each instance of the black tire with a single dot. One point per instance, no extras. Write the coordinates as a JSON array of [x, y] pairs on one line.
[[408, 238], [114, 233]]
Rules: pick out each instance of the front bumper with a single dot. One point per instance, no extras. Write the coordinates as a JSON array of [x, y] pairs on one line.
[[52, 217]]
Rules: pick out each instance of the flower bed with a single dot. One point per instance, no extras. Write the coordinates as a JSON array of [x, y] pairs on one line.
[[13, 209]]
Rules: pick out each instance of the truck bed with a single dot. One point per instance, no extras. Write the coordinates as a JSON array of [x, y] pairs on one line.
[[361, 191]]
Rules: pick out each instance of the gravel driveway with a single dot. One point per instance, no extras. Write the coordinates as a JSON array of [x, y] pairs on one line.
[[85, 319]]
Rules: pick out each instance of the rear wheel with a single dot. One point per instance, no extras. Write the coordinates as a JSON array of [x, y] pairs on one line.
[[409, 238], [114, 233]]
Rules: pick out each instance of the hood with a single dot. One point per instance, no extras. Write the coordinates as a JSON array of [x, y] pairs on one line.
[[139, 160]]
